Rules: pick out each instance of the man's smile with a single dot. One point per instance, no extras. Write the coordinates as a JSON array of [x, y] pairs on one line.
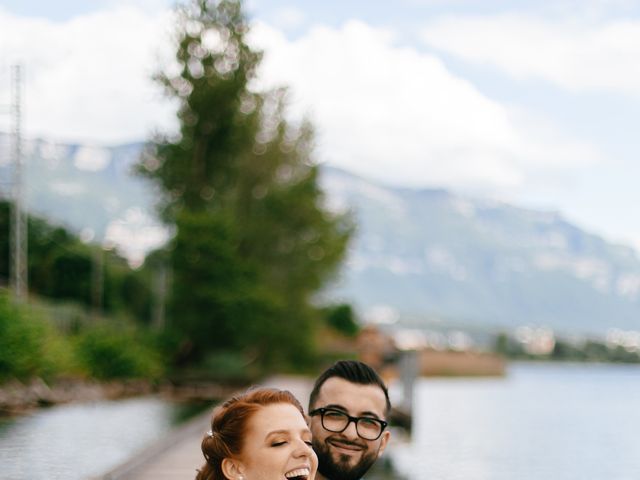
[[345, 446]]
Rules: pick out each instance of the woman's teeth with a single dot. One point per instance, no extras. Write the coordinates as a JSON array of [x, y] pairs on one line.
[[298, 473]]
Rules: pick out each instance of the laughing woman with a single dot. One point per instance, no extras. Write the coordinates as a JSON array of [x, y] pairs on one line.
[[259, 435]]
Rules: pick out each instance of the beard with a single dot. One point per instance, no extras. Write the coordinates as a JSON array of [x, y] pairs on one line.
[[341, 469]]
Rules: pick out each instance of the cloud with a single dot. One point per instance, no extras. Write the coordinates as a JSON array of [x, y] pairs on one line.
[[386, 111], [399, 115], [289, 18], [92, 159], [88, 79], [575, 54], [135, 234]]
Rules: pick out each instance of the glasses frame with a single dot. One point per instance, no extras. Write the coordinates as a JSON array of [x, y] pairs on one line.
[[321, 411]]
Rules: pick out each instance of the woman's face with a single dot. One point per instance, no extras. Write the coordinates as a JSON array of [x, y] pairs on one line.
[[278, 445]]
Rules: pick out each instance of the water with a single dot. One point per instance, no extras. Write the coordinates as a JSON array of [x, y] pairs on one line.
[[83, 440], [543, 421], [540, 422]]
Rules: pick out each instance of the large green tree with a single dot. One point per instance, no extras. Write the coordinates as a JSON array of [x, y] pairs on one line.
[[253, 240]]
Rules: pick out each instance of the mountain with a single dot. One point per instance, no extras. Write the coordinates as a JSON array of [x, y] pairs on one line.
[[434, 256], [93, 190], [425, 256]]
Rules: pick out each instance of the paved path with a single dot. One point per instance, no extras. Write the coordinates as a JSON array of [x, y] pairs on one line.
[[178, 456]]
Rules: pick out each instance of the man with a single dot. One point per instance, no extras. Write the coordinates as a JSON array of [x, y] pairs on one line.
[[349, 406]]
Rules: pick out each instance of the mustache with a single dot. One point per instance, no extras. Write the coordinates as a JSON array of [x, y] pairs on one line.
[[344, 441]]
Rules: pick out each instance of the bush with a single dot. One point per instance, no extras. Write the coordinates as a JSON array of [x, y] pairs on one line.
[[229, 366], [342, 319], [30, 346], [110, 351]]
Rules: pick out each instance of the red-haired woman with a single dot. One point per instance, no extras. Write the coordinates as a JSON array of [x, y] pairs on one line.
[[259, 435]]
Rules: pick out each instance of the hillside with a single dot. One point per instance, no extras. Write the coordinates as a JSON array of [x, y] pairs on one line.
[[430, 256], [436, 256]]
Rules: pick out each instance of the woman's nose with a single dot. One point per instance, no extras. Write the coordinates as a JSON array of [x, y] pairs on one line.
[[303, 449]]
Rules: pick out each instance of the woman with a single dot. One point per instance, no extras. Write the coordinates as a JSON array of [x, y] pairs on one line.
[[259, 435]]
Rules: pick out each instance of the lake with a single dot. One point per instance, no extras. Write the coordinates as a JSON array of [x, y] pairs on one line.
[[82, 440], [542, 421]]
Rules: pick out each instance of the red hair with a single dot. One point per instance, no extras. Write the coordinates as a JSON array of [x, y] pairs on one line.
[[229, 425]]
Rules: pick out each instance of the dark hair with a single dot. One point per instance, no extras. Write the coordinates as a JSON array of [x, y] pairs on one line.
[[352, 371], [229, 425]]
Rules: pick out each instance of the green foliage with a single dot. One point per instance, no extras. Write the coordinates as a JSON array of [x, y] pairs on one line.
[[341, 318], [61, 268], [214, 295], [509, 347], [568, 351], [253, 241], [30, 346], [118, 351], [229, 366]]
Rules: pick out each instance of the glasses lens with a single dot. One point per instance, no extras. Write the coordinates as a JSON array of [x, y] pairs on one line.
[[334, 421], [368, 428]]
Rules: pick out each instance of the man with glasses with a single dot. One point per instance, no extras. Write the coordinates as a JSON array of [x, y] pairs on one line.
[[348, 406]]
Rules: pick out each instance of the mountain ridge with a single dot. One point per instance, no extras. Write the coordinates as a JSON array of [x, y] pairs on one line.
[[418, 254]]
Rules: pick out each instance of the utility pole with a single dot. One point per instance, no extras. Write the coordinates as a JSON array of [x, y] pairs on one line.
[[19, 278], [97, 281], [160, 280]]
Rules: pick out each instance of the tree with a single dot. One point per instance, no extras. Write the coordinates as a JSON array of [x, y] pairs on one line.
[[60, 268], [253, 240], [341, 318]]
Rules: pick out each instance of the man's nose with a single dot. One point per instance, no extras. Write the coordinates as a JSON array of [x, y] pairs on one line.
[[351, 431]]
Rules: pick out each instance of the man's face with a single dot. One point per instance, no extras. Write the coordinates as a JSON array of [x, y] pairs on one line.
[[346, 456]]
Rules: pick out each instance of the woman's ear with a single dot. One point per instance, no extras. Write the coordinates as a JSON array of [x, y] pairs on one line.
[[232, 469]]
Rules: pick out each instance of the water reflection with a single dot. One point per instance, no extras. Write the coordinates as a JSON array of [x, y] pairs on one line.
[[81, 440]]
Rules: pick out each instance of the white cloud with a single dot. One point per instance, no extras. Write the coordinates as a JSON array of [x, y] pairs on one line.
[[399, 115], [68, 188], [388, 112], [573, 54], [92, 159], [88, 79], [135, 234], [289, 17]]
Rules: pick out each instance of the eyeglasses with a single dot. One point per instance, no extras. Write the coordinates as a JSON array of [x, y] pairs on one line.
[[336, 421]]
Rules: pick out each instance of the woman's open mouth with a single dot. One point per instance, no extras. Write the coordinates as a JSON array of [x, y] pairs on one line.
[[298, 474]]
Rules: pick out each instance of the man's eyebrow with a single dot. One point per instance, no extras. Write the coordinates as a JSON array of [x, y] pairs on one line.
[[335, 406], [361, 414], [370, 414]]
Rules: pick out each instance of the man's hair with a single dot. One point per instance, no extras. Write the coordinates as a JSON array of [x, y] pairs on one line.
[[352, 371]]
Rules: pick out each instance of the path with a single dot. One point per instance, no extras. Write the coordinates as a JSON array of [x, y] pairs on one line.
[[178, 455]]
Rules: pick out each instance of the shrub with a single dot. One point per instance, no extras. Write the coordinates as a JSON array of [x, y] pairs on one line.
[[342, 319], [110, 351], [29, 345]]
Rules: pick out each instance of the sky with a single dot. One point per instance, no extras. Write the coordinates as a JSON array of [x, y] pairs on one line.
[[532, 103]]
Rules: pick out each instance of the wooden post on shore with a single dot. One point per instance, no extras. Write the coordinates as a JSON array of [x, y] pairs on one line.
[[408, 373]]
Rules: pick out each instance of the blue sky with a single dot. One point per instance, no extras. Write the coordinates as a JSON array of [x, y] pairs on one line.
[[533, 103]]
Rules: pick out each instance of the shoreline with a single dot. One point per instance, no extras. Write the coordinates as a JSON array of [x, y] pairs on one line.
[[18, 398]]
